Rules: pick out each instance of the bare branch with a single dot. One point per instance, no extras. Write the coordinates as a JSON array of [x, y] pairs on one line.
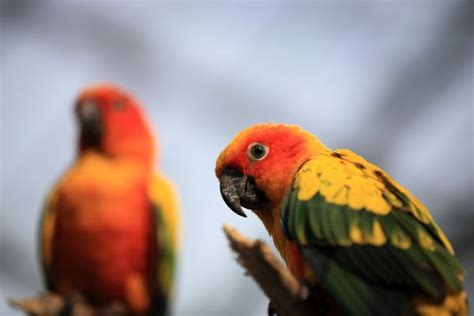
[[288, 296], [50, 304]]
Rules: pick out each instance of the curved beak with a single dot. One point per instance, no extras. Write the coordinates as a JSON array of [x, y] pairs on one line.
[[231, 185], [90, 120], [239, 190]]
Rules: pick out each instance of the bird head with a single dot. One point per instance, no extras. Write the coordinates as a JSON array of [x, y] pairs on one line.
[[258, 166], [112, 123]]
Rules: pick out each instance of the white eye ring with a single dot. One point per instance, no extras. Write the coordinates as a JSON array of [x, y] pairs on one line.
[[257, 151]]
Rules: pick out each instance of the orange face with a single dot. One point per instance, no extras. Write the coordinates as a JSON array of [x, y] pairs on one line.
[[258, 166], [111, 122]]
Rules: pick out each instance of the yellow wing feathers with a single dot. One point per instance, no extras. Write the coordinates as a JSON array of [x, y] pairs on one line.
[[163, 193], [343, 178], [341, 182]]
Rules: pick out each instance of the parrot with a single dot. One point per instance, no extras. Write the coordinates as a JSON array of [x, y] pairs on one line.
[[109, 229], [342, 225]]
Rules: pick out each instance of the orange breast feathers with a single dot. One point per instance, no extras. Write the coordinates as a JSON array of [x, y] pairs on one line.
[[104, 243]]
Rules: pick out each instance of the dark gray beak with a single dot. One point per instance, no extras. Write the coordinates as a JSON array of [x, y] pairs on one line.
[[238, 190], [90, 120]]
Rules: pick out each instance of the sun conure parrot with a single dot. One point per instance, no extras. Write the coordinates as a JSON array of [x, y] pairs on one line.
[[342, 225], [110, 226]]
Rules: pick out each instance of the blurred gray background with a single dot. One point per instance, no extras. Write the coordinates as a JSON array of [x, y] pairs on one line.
[[391, 80]]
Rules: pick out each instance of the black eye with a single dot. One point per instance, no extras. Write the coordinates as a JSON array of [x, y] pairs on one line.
[[119, 104], [257, 151]]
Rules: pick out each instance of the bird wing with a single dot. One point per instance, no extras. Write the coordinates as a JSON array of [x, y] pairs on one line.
[[166, 213], [356, 226], [46, 233]]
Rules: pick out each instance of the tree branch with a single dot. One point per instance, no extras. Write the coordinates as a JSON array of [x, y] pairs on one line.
[[50, 304], [288, 296]]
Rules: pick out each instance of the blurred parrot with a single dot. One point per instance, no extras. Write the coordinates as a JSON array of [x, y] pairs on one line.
[[343, 226], [110, 226]]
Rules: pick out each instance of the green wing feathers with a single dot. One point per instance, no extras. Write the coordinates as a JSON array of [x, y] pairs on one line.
[[166, 261], [365, 224]]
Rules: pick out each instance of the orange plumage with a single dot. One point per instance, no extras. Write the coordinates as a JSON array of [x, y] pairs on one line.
[[105, 230]]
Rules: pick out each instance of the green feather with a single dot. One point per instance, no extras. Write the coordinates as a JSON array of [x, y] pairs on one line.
[[423, 279], [348, 290], [326, 224], [445, 270], [417, 256], [315, 219], [301, 213], [366, 224], [351, 216], [291, 216], [407, 222], [339, 228], [387, 223], [450, 259]]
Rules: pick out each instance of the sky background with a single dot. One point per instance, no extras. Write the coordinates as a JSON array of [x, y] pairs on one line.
[[390, 80]]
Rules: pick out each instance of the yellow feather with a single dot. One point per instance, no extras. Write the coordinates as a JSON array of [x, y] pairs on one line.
[[356, 200], [308, 184], [164, 194], [392, 199], [341, 196], [400, 239], [425, 240], [356, 233], [453, 305], [378, 205], [378, 236], [328, 190]]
